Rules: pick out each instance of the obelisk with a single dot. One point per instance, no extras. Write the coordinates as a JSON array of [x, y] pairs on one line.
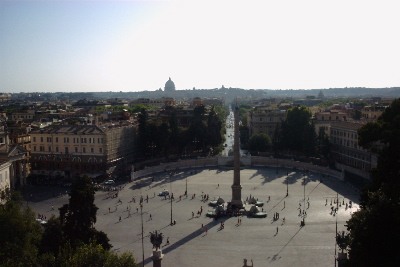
[[236, 202]]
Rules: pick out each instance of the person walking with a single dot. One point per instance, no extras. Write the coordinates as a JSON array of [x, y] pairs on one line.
[[277, 230]]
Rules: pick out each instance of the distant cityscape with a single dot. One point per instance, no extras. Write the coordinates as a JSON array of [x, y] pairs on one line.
[[59, 135]]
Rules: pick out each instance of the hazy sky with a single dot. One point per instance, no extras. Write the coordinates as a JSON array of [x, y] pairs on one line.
[[137, 45]]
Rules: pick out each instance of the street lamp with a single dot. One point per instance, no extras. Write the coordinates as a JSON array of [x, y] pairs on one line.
[[141, 216], [304, 200], [171, 196], [186, 187], [287, 184]]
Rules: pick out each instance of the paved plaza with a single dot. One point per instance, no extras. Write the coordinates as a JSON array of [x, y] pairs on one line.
[[263, 240]]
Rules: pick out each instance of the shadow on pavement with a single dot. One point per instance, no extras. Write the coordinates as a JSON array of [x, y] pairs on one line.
[[184, 240]]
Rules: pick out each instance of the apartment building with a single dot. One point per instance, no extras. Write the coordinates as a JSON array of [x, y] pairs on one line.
[[72, 150], [16, 156], [265, 120], [348, 155], [4, 176], [323, 120]]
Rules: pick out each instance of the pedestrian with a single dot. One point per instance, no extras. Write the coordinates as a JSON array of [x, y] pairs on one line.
[[109, 210], [119, 218], [137, 209], [192, 214], [167, 240], [284, 203], [206, 230], [277, 230], [151, 217]]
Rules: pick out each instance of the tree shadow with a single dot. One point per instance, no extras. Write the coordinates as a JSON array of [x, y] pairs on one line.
[[182, 241]]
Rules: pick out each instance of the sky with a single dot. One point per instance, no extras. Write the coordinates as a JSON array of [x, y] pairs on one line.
[[92, 46]]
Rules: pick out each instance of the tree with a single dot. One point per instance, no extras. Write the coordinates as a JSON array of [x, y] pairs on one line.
[[298, 132], [214, 128], [19, 233], [374, 229], [95, 255], [52, 238], [79, 215], [142, 131], [259, 142]]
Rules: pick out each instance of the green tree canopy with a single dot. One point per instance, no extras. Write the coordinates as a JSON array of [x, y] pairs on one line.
[[259, 142], [298, 132], [20, 234], [79, 215]]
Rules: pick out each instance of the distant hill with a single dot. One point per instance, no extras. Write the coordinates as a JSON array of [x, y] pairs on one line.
[[228, 94]]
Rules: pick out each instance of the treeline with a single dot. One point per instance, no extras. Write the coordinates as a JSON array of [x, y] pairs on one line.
[[69, 239], [203, 136]]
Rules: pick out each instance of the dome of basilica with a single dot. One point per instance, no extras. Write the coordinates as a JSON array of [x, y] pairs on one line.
[[169, 86]]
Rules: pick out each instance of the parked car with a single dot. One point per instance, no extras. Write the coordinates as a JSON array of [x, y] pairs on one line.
[[163, 193], [109, 182]]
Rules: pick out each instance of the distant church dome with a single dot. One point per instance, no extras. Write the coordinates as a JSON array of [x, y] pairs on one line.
[[169, 86]]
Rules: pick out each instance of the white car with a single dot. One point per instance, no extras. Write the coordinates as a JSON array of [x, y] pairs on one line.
[[109, 182], [163, 193]]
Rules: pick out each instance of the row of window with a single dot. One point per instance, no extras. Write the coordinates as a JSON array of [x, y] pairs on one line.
[[74, 159], [340, 141], [75, 140], [66, 149], [344, 134]]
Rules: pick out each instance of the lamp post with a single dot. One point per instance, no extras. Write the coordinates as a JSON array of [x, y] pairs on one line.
[[304, 201], [186, 187], [141, 216], [287, 184], [171, 196]]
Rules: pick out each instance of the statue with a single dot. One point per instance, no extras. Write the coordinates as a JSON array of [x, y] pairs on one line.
[[245, 263], [156, 239]]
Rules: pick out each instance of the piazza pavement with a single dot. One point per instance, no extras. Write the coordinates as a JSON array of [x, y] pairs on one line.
[[265, 241]]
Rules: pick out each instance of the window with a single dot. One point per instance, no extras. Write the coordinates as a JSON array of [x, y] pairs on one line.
[[41, 139], [56, 148], [49, 148], [92, 150], [76, 149], [66, 150], [41, 148], [101, 150], [34, 148], [83, 149], [56, 139], [34, 139]]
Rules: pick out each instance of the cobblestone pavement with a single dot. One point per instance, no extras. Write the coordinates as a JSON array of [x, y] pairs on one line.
[[266, 241]]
